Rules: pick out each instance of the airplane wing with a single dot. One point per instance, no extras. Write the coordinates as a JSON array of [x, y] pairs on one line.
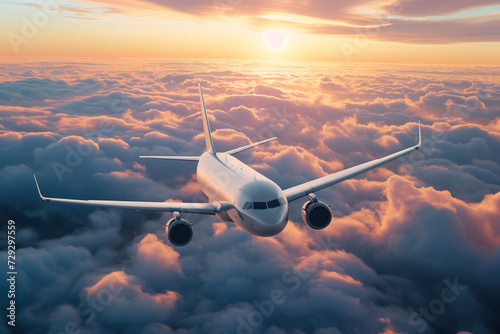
[[303, 189], [169, 157], [201, 208]]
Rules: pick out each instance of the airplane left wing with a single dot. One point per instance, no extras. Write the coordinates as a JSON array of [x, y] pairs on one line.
[[170, 157], [201, 208], [306, 188]]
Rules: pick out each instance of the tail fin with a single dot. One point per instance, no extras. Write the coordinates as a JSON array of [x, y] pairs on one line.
[[206, 125]]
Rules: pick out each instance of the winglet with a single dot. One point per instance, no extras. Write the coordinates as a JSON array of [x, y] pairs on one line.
[[206, 126], [39, 192]]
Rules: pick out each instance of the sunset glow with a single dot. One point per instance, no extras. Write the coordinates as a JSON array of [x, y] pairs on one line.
[[275, 39], [373, 32]]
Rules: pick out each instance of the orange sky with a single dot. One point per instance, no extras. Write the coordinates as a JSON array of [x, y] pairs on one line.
[[463, 32]]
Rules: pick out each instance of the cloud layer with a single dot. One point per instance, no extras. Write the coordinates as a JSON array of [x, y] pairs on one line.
[[413, 247]]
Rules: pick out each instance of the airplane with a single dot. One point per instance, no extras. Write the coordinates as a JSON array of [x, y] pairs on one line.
[[238, 193]]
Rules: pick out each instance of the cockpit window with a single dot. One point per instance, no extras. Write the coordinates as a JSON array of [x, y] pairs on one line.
[[264, 205], [259, 205], [273, 204]]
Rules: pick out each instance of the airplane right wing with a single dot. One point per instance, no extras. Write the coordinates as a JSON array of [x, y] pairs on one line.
[[306, 188], [201, 208]]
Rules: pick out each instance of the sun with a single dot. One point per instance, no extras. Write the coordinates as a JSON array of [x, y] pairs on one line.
[[275, 39]]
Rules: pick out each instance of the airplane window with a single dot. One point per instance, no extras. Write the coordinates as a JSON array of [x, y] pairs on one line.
[[282, 200], [273, 204], [249, 205], [245, 206], [259, 205]]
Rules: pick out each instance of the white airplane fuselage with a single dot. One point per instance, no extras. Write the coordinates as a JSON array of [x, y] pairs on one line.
[[260, 206]]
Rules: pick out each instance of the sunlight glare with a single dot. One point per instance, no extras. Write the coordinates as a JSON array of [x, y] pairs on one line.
[[275, 39]]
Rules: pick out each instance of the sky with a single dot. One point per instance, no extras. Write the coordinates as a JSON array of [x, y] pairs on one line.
[[390, 31], [414, 245]]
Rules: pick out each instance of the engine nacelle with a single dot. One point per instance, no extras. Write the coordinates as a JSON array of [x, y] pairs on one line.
[[317, 215], [179, 232]]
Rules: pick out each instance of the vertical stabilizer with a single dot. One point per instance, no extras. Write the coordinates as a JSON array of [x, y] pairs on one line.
[[206, 126]]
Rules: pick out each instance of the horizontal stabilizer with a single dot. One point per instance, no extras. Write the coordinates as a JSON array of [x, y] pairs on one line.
[[170, 157], [243, 148]]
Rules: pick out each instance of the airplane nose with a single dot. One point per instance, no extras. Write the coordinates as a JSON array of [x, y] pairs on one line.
[[271, 222]]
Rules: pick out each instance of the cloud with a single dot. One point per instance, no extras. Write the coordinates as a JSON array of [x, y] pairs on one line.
[[405, 21], [399, 233], [156, 262], [409, 31], [124, 302], [35, 92], [427, 8]]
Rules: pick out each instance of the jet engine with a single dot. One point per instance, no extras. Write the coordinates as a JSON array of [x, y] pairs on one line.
[[179, 231], [317, 215]]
